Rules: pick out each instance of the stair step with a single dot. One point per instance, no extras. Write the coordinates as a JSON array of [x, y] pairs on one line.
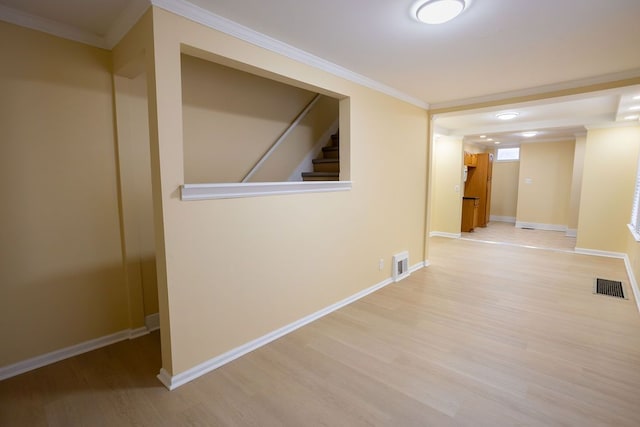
[[326, 165], [335, 139], [320, 176], [331, 152]]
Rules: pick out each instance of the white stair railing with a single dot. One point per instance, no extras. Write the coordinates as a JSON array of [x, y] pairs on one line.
[[282, 137]]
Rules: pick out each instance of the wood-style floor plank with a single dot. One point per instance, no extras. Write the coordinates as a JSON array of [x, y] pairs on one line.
[[488, 335]]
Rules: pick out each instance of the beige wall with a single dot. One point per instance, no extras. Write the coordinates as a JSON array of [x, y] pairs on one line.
[[576, 183], [544, 188], [231, 118], [504, 189], [61, 278], [474, 149], [446, 201], [608, 183], [240, 268]]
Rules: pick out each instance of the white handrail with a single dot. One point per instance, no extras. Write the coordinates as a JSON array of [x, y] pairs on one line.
[[282, 137]]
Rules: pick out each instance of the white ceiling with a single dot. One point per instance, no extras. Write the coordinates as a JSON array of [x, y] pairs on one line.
[[495, 48]]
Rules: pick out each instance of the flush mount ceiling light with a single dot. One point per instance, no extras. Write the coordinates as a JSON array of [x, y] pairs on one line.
[[439, 11], [636, 97], [634, 108], [497, 142], [483, 136], [529, 134], [632, 117], [509, 115]]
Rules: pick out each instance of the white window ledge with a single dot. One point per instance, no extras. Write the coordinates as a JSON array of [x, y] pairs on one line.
[[256, 189], [634, 233]]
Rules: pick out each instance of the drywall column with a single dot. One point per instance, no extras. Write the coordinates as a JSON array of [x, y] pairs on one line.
[[139, 42], [608, 184], [446, 199], [576, 185]]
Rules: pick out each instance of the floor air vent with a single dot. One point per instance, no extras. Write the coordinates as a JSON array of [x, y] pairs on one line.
[[612, 288], [400, 266]]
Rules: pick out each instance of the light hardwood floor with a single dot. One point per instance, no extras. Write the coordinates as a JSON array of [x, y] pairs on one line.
[[505, 232], [488, 335]]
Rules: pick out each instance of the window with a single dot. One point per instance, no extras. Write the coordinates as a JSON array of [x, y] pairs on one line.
[[634, 225], [508, 154]]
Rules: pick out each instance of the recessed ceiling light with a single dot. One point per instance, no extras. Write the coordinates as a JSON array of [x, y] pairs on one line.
[[529, 134], [509, 115], [634, 108], [483, 136], [632, 117], [489, 139], [439, 11], [497, 142], [636, 97]]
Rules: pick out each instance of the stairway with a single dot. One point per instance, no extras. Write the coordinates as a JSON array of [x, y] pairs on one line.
[[326, 167]]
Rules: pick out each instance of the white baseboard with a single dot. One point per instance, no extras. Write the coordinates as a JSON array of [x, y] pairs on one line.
[[419, 266], [571, 232], [540, 226], [499, 218], [64, 353], [608, 254], [632, 281], [174, 381], [152, 322], [443, 234]]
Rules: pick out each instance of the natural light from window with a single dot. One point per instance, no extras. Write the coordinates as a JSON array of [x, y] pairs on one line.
[[508, 154]]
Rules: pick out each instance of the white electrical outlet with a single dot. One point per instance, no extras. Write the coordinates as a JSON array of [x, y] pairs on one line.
[[381, 264]]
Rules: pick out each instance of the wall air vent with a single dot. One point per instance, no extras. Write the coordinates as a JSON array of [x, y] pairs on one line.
[[400, 266]]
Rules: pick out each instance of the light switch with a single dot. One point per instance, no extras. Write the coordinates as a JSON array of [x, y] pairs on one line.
[[456, 188]]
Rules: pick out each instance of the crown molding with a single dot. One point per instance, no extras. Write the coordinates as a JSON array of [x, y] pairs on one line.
[[123, 23], [23, 19], [540, 90], [609, 125], [209, 19]]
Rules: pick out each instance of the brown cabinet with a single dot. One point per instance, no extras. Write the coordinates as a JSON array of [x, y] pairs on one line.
[[478, 185], [470, 207], [470, 159]]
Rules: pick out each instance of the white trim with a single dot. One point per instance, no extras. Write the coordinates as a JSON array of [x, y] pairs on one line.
[[596, 252], [574, 84], [307, 163], [500, 218], [632, 280], [571, 232], [610, 125], [138, 332], [253, 189], [209, 19], [174, 381], [49, 26], [64, 353], [419, 266], [540, 226], [634, 233], [152, 322], [443, 234]]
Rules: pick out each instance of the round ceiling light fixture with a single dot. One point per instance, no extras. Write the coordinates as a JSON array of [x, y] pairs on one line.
[[529, 134], [439, 11], [508, 115], [632, 117]]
